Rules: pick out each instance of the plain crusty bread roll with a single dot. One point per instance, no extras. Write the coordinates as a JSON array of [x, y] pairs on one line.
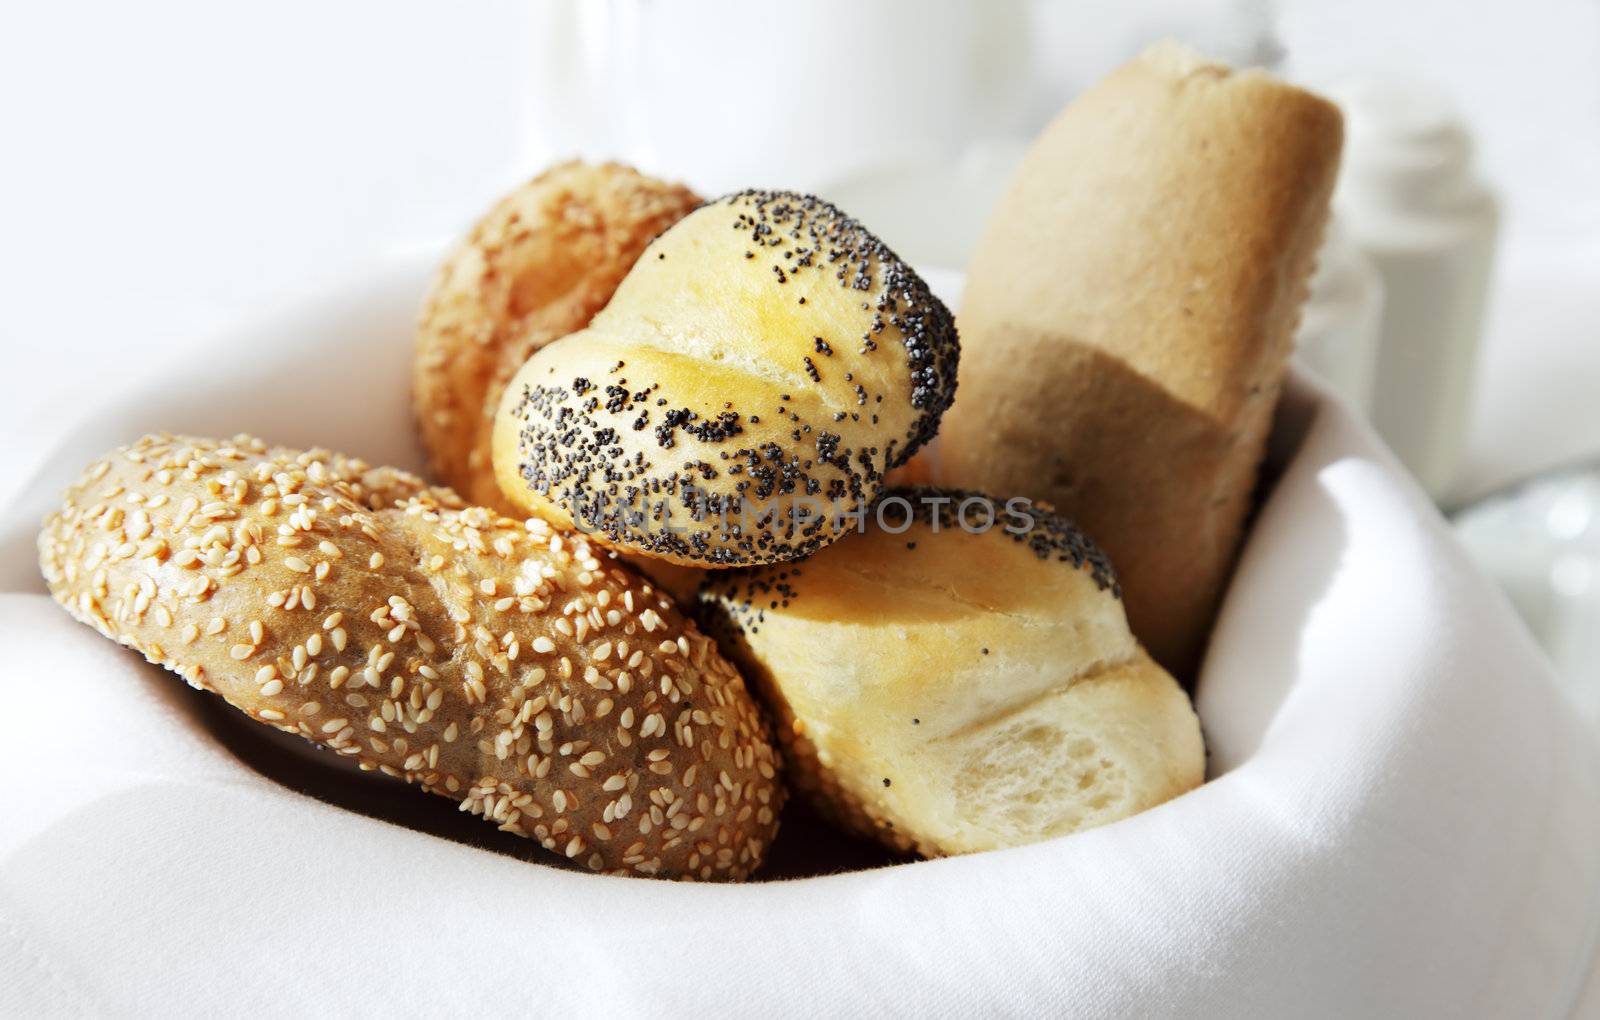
[[500, 663], [1128, 319], [950, 691], [536, 267], [765, 351]]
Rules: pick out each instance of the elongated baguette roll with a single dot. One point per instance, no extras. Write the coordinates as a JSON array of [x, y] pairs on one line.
[[754, 377], [1128, 318], [499, 663], [538, 266], [947, 690]]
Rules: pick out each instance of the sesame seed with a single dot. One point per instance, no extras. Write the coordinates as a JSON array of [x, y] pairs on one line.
[[552, 586]]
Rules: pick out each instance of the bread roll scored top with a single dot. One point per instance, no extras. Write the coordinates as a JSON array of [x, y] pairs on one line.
[[1129, 315], [765, 349], [948, 691], [538, 265], [504, 664]]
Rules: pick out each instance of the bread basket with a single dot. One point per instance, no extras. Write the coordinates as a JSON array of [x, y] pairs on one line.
[[1402, 814]]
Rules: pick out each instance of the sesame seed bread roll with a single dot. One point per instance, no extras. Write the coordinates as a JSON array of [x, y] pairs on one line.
[[538, 266], [755, 376], [1128, 319], [500, 663], [947, 691]]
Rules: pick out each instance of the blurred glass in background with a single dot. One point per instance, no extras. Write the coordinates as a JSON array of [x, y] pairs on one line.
[[1542, 542], [910, 114]]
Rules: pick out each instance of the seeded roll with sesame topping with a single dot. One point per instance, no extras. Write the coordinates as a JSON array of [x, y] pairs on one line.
[[764, 365], [959, 677], [538, 266], [506, 664]]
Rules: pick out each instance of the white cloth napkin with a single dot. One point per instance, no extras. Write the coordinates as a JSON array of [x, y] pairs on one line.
[[1403, 819]]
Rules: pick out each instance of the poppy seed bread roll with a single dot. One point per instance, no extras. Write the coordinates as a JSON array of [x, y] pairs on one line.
[[1128, 319], [498, 662], [537, 266], [750, 383], [947, 691]]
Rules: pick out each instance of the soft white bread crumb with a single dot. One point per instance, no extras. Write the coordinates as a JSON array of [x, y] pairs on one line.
[[1105, 747]]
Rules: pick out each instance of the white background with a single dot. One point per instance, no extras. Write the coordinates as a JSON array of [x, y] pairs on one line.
[[173, 167]]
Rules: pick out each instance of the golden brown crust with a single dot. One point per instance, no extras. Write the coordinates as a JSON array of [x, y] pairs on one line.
[[1128, 318], [538, 266], [506, 665], [755, 376]]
